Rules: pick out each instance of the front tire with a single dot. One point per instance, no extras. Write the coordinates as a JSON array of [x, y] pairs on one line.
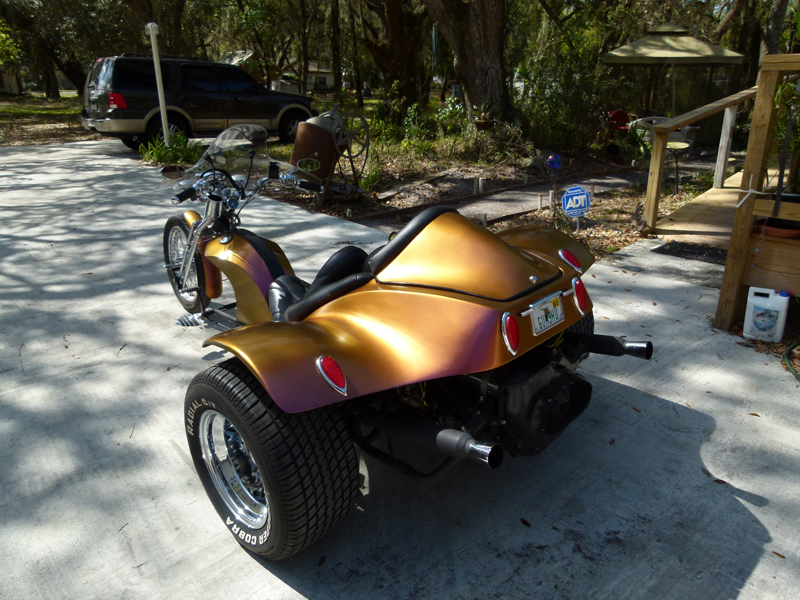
[[176, 238], [279, 481]]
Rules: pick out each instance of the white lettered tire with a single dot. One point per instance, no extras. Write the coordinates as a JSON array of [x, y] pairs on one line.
[[279, 481]]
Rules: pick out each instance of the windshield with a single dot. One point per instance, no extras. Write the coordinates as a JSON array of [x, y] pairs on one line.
[[243, 150]]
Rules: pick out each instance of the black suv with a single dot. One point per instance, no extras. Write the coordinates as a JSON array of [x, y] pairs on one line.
[[202, 98]]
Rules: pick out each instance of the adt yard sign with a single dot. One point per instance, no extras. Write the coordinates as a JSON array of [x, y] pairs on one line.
[[576, 201]]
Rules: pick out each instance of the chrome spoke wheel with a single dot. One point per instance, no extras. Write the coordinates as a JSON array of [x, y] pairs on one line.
[[233, 471], [176, 244]]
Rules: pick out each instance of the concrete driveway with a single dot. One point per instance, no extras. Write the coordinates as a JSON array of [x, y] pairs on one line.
[[668, 486]]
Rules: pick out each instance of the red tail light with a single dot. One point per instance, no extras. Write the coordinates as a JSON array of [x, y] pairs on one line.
[[570, 258], [581, 296], [115, 100], [510, 330], [332, 374]]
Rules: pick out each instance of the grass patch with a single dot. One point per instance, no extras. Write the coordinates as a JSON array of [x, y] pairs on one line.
[[39, 108]]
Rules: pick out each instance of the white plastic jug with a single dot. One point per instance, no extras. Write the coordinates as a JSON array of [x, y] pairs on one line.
[[765, 316]]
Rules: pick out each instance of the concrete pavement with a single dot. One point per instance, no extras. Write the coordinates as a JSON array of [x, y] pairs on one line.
[[667, 486]]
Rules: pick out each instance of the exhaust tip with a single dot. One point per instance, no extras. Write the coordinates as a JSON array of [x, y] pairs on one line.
[[492, 454], [639, 349]]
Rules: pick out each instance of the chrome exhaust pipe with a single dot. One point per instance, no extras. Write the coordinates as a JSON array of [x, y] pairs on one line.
[[426, 433], [642, 350], [611, 346], [492, 454]]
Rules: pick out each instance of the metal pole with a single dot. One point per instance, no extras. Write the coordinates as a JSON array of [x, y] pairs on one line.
[[152, 29]]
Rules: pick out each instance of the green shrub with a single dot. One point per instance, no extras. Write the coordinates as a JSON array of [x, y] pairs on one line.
[[183, 151], [451, 118], [417, 126]]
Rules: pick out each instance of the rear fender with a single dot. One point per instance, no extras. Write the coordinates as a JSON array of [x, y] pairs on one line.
[[383, 337], [546, 241]]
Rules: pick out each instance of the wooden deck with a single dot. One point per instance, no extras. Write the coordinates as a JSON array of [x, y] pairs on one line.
[[708, 219]]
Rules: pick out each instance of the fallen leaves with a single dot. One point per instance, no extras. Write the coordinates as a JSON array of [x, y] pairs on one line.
[[778, 554], [612, 442], [754, 414], [524, 522]]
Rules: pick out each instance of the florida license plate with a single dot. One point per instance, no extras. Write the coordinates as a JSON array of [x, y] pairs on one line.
[[546, 313]]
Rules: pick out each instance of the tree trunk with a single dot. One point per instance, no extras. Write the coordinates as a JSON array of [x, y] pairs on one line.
[[336, 51], [396, 49], [475, 33], [49, 77], [356, 59], [770, 44], [304, 32]]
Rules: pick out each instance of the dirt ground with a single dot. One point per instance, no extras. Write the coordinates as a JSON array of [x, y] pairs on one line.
[[41, 121]]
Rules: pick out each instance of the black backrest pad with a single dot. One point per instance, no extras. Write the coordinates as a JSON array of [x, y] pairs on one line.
[[389, 252], [264, 251], [347, 261], [324, 294]]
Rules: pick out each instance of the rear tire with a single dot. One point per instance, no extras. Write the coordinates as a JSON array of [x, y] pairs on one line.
[[132, 143], [155, 130], [176, 237], [585, 325], [279, 481]]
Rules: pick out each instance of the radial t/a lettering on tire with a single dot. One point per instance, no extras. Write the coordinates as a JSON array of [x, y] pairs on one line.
[[279, 481]]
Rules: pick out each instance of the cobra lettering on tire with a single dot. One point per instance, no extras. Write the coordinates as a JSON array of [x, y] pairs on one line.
[[279, 481]]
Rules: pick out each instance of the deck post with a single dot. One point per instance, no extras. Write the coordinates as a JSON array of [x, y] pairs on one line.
[[654, 180], [732, 294], [728, 123]]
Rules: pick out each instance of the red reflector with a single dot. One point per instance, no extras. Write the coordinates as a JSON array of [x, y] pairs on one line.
[[332, 374], [581, 296], [510, 329], [115, 100], [570, 258]]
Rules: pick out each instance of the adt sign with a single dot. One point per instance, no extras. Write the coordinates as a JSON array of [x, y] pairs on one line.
[[576, 201]]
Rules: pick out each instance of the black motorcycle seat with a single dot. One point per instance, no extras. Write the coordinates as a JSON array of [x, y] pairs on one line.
[[292, 299]]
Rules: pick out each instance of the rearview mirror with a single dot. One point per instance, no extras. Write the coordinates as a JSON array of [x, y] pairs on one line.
[[173, 172]]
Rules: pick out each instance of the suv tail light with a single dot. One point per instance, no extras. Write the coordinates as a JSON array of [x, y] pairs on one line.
[[115, 100]]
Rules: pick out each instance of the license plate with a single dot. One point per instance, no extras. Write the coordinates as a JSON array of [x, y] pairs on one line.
[[546, 313]]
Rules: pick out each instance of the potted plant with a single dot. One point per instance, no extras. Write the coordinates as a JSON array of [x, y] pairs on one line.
[[483, 116]]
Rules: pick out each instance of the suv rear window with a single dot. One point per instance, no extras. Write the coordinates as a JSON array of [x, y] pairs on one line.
[[138, 75], [199, 78], [239, 82]]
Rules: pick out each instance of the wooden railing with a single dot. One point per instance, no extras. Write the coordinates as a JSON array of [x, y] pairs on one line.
[[781, 269], [661, 136]]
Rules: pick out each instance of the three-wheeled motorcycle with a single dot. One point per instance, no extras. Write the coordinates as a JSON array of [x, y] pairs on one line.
[[448, 336]]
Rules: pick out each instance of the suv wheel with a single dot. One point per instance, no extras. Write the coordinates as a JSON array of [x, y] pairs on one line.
[[287, 130], [132, 143], [155, 131]]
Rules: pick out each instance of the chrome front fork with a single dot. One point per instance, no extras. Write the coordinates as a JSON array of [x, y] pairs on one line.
[[213, 211]]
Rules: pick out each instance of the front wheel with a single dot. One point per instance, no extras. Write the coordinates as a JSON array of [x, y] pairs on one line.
[[279, 481], [176, 239]]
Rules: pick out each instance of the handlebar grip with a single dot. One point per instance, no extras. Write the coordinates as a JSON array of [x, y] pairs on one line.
[[186, 194], [307, 185]]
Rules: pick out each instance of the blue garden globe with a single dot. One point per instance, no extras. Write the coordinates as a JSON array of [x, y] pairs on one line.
[[553, 162]]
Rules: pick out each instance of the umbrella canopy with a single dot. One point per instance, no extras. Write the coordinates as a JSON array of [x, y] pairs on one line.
[[671, 45]]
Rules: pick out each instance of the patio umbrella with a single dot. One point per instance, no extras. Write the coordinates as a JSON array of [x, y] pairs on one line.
[[671, 45]]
